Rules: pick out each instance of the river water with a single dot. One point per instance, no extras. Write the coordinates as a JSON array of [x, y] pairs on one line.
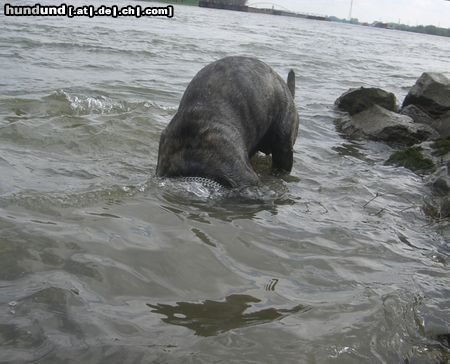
[[102, 262]]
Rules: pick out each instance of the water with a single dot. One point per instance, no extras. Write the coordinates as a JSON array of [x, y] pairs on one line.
[[101, 262]]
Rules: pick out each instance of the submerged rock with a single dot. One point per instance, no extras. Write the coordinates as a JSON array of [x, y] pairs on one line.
[[439, 181], [356, 100], [444, 208], [413, 159], [431, 93], [441, 149], [438, 151], [440, 187], [438, 205], [378, 123], [423, 126]]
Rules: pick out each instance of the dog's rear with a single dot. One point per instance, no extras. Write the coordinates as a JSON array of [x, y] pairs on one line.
[[230, 110]]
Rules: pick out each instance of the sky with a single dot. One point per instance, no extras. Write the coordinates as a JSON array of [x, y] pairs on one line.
[[411, 12]]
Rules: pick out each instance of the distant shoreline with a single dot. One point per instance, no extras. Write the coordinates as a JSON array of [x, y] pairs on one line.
[[422, 29]]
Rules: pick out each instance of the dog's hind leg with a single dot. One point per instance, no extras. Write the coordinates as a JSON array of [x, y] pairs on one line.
[[282, 159]]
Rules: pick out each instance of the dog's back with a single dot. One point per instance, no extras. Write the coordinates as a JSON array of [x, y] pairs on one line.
[[230, 110]]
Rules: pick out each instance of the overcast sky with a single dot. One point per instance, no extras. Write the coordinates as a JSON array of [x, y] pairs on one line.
[[412, 12]]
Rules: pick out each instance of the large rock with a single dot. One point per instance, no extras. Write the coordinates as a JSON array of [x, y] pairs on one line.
[[377, 123], [431, 93], [442, 125], [356, 100], [417, 114]]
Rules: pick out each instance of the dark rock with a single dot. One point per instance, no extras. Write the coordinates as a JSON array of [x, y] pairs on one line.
[[440, 187], [356, 100], [444, 211], [431, 93], [413, 159], [437, 208], [438, 205], [439, 182], [417, 114], [442, 125], [444, 339], [438, 151], [377, 123], [441, 148]]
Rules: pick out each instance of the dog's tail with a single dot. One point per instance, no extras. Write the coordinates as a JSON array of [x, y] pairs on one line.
[[291, 82]]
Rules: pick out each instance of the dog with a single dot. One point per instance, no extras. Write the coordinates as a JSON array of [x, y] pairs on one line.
[[231, 109]]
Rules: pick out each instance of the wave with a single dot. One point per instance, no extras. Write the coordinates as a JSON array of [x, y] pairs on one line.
[[182, 190], [48, 201], [143, 49], [78, 103], [84, 104]]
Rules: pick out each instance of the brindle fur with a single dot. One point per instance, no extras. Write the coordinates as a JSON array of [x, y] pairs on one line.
[[231, 109]]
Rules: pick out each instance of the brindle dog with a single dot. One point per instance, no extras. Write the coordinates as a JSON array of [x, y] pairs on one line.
[[231, 109]]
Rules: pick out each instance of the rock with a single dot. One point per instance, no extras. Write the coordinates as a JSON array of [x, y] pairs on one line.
[[417, 114], [442, 125], [431, 93], [438, 205], [440, 187], [413, 159], [439, 182], [356, 100], [437, 208], [441, 149], [438, 151], [377, 123], [444, 210]]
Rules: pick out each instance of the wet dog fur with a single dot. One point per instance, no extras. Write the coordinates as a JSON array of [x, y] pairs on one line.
[[231, 109]]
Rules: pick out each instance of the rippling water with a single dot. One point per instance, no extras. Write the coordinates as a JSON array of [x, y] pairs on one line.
[[101, 262]]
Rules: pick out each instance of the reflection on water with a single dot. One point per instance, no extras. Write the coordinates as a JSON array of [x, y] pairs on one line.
[[214, 317], [352, 150]]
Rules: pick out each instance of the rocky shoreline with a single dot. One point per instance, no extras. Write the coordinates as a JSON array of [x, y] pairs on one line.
[[420, 129]]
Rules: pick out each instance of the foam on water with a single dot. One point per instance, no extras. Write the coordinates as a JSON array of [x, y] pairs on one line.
[[83, 105]]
